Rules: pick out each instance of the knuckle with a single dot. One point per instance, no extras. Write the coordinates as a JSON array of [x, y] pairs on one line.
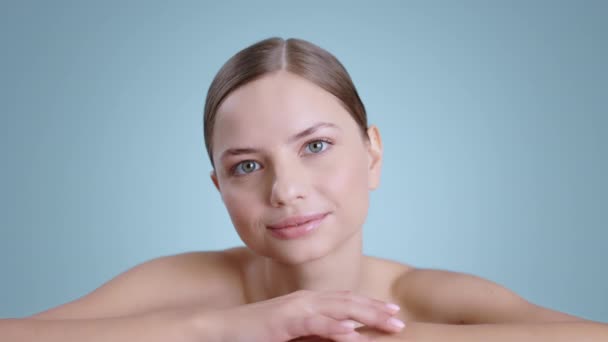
[[349, 307], [346, 299], [378, 303], [308, 325], [302, 293], [348, 302], [302, 305], [381, 317]]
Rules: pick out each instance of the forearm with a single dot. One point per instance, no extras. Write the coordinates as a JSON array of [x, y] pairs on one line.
[[554, 332], [151, 327]]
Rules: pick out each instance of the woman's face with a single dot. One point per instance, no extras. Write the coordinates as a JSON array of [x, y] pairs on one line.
[[284, 147]]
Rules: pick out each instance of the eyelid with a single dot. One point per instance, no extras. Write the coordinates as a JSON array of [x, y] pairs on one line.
[[232, 169], [323, 139]]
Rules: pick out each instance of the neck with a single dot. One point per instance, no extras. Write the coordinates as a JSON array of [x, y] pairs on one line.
[[340, 269]]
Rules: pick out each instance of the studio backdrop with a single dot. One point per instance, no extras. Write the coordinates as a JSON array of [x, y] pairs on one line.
[[493, 116]]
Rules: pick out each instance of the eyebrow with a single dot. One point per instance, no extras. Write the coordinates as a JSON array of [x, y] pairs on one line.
[[249, 150]]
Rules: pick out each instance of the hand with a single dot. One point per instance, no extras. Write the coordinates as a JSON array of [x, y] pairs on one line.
[[305, 314], [368, 332], [311, 339]]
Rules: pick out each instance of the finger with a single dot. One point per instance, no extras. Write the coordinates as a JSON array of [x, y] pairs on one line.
[[364, 300], [347, 309], [322, 326], [350, 337]]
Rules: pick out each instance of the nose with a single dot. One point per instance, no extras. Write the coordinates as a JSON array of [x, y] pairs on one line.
[[287, 186]]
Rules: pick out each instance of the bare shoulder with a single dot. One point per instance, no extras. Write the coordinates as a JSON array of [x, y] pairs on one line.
[[448, 297], [201, 278]]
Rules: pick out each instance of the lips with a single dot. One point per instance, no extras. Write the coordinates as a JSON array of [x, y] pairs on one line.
[[295, 221], [297, 227]]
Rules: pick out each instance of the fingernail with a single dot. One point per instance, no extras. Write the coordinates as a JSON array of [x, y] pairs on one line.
[[395, 322], [393, 307], [348, 324]]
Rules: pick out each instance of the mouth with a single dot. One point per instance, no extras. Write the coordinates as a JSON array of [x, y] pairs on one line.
[[297, 226]]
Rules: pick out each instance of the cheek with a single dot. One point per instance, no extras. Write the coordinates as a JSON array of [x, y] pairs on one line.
[[347, 185], [242, 208]]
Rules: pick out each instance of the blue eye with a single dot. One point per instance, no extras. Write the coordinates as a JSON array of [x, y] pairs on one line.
[[249, 166], [245, 167], [317, 146]]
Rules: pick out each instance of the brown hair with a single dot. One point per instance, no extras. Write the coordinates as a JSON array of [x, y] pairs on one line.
[[297, 56]]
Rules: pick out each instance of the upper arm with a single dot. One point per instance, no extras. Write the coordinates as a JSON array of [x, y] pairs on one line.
[[457, 298], [156, 284]]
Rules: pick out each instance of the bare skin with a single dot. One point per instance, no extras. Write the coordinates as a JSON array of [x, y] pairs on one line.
[[380, 280], [230, 278], [273, 124]]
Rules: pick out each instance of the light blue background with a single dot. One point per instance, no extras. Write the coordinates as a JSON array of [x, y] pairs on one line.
[[493, 116]]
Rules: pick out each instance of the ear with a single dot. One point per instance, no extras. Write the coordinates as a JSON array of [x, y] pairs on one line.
[[214, 180], [374, 149]]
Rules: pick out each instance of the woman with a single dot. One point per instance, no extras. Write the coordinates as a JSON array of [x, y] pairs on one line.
[[294, 160]]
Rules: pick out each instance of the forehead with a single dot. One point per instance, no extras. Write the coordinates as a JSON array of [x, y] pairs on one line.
[[273, 107]]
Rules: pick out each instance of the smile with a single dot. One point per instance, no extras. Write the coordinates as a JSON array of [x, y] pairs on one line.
[[296, 227]]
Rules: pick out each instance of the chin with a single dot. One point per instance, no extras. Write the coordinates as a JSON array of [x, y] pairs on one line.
[[298, 252], [303, 250]]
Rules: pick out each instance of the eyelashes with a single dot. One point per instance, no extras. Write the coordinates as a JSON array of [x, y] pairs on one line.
[[248, 166]]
